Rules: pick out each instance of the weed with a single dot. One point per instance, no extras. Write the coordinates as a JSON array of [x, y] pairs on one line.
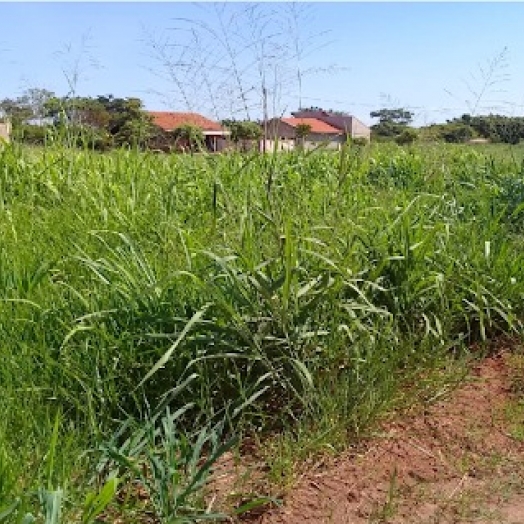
[[297, 293]]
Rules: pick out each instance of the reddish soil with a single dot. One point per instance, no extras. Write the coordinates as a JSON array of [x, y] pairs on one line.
[[454, 461]]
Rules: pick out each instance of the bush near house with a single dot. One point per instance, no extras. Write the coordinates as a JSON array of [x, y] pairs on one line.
[[188, 138], [408, 136], [244, 134]]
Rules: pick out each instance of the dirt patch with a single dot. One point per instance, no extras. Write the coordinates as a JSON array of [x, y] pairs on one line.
[[454, 461]]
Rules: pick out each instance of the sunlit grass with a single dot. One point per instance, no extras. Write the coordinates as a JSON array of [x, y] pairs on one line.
[[253, 290]]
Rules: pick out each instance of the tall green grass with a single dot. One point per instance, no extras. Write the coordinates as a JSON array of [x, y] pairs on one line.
[[247, 289]]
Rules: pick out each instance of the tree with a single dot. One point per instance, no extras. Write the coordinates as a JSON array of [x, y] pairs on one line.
[[391, 122], [79, 111], [301, 132], [399, 116], [127, 120], [497, 128], [16, 110], [32, 104], [408, 136], [37, 99], [457, 133], [123, 120], [135, 132], [243, 133], [510, 131]]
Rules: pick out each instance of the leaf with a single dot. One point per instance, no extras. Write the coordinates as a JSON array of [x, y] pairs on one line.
[[250, 400], [8, 511], [201, 475], [256, 503], [73, 332], [167, 355], [52, 451], [95, 504], [52, 504], [304, 373]]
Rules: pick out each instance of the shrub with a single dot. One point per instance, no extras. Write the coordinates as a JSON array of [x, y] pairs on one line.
[[31, 134], [360, 141], [457, 133], [244, 134], [189, 137], [408, 136]]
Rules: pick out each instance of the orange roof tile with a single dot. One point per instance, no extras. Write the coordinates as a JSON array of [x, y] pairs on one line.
[[317, 126], [168, 121]]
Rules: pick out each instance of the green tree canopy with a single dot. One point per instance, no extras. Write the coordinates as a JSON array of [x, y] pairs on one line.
[[302, 130], [122, 119], [32, 104], [391, 122], [398, 116], [243, 132], [408, 136], [497, 128]]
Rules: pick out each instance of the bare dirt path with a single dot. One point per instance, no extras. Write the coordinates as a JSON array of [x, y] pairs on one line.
[[461, 460]]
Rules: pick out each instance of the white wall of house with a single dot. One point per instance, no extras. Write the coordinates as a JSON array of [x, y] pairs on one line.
[[282, 144], [5, 131], [359, 129], [323, 140], [280, 137]]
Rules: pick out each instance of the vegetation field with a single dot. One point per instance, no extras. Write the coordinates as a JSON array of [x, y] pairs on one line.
[[155, 307]]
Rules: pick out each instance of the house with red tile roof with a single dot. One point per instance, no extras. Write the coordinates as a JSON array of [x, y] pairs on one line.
[[285, 134], [214, 134], [316, 126], [348, 124]]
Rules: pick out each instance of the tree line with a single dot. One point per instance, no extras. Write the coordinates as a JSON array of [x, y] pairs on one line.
[[104, 122], [395, 124]]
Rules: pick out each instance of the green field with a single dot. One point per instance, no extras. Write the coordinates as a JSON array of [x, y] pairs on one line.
[[154, 306]]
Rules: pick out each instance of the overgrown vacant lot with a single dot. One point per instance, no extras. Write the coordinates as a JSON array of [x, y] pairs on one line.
[[209, 296]]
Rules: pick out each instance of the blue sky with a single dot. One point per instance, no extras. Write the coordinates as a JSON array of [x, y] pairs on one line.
[[356, 56]]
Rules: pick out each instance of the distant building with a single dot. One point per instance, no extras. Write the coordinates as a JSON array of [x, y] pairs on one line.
[[283, 134], [351, 126], [41, 121], [214, 134]]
